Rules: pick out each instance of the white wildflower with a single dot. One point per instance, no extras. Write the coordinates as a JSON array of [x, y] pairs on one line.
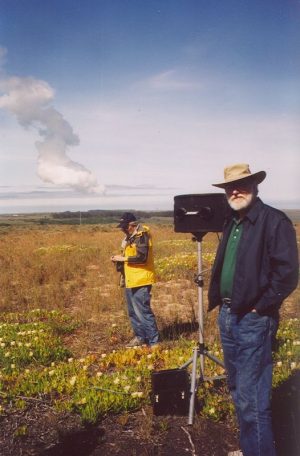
[[137, 394], [73, 380]]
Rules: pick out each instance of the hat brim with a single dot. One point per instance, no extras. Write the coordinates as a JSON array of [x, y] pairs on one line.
[[257, 177], [122, 225]]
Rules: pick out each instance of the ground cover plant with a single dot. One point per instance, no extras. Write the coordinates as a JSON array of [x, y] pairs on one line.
[[63, 325]]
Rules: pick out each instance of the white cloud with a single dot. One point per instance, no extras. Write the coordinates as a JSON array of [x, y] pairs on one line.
[[29, 101]]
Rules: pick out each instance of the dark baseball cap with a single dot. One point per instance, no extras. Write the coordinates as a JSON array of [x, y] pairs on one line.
[[126, 218]]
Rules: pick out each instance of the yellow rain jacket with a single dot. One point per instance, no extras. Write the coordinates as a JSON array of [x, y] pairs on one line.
[[139, 264]]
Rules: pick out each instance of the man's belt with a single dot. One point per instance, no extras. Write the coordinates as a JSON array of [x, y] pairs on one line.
[[226, 301]]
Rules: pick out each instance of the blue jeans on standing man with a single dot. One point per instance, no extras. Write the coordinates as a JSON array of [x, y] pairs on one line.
[[140, 314], [247, 348]]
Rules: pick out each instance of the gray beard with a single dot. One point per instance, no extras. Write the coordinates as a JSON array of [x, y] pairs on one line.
[[240, 204]]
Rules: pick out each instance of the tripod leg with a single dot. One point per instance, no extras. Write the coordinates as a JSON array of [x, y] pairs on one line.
[[193, 386]]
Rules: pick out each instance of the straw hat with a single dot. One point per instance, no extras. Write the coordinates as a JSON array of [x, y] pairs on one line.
[[240, 172]]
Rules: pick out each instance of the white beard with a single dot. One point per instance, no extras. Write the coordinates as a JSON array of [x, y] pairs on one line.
[[241, 202]]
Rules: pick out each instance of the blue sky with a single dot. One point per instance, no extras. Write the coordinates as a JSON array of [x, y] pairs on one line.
[[126, 103]]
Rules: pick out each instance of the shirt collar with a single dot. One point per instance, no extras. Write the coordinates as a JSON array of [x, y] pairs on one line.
[[251, 215]]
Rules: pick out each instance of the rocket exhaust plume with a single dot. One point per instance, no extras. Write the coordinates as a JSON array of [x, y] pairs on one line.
[[29, 100]]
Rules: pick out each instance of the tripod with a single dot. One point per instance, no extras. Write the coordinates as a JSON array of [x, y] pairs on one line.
[[199, 352]]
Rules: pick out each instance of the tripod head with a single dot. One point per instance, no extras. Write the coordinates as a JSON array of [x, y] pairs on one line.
[[197, 237]]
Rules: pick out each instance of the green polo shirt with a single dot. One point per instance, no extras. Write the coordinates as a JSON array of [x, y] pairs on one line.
[[229, 262]]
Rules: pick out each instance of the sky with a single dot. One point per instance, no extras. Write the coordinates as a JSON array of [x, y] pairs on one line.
[[123, 104]]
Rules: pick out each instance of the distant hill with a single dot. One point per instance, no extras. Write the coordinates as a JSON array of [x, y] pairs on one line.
[[293, 214], [94, 217], [81, 218]]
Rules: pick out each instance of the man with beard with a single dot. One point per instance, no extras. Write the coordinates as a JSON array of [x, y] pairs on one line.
[[255, 269]]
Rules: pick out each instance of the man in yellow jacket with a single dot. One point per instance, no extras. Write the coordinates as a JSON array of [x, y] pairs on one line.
[[139, 277]]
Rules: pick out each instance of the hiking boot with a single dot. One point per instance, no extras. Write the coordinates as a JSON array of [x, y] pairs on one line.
[[135, 342]]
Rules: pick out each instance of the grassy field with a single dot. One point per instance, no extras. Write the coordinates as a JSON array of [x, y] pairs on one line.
[[64, 322]]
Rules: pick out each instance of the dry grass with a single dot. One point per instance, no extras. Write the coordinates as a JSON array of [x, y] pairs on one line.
[[69, 268]]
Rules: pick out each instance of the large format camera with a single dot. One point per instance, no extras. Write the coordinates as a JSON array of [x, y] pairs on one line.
[[200, 213]]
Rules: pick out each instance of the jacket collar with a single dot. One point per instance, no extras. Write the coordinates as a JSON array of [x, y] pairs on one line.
[[251, 215], [138, 230], [254, 210]]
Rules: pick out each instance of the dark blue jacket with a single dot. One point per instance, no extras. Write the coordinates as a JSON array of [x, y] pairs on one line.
[[267, 265]]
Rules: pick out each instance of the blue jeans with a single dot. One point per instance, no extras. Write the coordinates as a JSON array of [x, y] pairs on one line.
[[247, 348], [140, 314]]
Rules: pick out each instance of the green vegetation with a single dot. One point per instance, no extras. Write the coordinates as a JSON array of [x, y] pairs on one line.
[[35, 364]]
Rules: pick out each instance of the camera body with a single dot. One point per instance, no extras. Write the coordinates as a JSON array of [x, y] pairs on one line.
[[120, 266]]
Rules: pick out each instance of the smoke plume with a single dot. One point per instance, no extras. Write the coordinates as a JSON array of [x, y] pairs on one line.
[[29, 100]]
